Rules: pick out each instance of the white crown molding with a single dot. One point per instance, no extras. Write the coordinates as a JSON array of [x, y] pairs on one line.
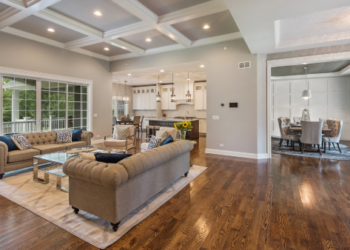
[[126, 46], [18, 4], [92, 54], [6, 14], [24, 12], [235, 154], [193, 12], [43, 76], [33, 37], [128, 30], [70, 23]]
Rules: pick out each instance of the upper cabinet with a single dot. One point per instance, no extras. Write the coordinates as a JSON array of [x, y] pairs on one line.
[[200, 96], [144, 98], [166, 91]]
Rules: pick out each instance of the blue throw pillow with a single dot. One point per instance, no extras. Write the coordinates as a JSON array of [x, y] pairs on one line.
[[8, 141], [167, 140], [77, 134], [111, 158]]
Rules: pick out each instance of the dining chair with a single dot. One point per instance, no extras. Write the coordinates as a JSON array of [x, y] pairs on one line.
[[334, 135], [136, 124], [286, 133], [311, 134], [297, 120]]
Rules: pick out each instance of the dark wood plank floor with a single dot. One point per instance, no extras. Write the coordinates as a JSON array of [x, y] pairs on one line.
[[283, 203]]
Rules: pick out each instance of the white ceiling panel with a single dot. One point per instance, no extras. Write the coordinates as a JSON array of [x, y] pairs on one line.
[[158, 39], [3, 7], [220, 24], [113, 16], [38, 26], [99, 48], [162, 7]]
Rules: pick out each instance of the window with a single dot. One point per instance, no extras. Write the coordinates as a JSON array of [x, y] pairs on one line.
[[19, 105], [62, 105], [120, 108], [113, 108]]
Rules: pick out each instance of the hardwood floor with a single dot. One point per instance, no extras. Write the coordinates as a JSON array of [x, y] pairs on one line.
[[283, 203]]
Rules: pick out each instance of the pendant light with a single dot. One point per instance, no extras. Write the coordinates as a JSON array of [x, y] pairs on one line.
[[188, 95], [158, 95], [126, 98], [173, 96], [306, 93]]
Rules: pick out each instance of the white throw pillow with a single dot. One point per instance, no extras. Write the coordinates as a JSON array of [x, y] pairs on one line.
[[162, 134]]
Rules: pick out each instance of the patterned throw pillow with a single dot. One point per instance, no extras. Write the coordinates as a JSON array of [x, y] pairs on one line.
[[21, 142], [162, 134], [154, 142], [120, 133], [64, 136]]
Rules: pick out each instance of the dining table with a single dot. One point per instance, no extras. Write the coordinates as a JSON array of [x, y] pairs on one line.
[[126, 122]]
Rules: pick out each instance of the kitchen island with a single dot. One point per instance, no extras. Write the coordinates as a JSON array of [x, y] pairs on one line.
[[169, 122]]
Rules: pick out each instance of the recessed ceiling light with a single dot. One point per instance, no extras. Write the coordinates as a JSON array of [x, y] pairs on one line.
[[160, 81], [98, 13], [206, 26], [123, 47], [129, 74], [188, 79], [107, 48], [202, 66], [304, 63], [162, 70], [51, 29], [148, 39]]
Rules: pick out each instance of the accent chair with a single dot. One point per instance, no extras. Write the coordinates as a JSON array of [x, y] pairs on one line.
[[127, 144], [286, 133], [334, 135]]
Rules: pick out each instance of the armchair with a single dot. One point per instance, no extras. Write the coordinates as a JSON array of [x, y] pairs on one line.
[[127, 144]]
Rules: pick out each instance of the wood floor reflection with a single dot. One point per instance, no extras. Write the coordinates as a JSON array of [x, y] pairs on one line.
[[287, 202]]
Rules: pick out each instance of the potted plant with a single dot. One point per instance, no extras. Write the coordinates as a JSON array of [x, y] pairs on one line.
[[183, 127]]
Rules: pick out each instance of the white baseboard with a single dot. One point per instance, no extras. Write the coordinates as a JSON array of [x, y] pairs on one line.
[[236, 154], [97, 141]]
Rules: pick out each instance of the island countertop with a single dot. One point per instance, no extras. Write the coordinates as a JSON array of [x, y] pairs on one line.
[[169, 122], [172, 119]]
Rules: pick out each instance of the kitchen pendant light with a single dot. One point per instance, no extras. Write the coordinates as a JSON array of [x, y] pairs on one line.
[[158, 95], [173, 96], [126, 98], [306, 93], [188, 95]]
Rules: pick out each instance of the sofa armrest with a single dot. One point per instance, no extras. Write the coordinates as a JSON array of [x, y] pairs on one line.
[[105, 174], [87, 136], [3, 156]]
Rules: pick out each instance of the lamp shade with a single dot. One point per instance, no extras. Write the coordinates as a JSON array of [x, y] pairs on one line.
[[306, 94]]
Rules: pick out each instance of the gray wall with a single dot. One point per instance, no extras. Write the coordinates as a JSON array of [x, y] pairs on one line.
[[237, 128], [25, 54]]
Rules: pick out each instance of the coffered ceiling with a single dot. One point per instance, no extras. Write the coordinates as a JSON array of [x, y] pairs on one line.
[[117, 29]]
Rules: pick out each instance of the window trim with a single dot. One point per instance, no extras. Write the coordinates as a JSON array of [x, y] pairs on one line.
[[39, 77]]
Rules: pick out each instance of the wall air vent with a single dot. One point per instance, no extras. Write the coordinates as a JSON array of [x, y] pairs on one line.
[[244, 65]]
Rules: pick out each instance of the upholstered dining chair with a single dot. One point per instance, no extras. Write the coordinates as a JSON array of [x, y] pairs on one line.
[[297, 120], [112, 141], [311, 134], [334, 135], [286, 133], [136, 124]]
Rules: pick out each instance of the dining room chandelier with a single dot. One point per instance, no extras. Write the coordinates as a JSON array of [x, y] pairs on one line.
[[306, 93], [172, 96], [188, 95], [126, 98]]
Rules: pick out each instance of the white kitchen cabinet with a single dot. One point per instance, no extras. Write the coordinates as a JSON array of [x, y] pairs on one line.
[[203, 126], [200, 96], [144, 98], [179, 92], [165, 98]]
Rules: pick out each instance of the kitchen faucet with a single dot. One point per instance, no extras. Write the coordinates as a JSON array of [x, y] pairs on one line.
[[185, 114]]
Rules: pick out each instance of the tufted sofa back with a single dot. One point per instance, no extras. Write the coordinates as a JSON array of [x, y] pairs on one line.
[[41, 138]]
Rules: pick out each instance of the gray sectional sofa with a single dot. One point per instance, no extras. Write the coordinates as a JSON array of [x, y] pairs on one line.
[[112, 191], [43, 143]]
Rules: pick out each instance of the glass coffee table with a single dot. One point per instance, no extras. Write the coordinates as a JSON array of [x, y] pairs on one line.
[[55, 161]]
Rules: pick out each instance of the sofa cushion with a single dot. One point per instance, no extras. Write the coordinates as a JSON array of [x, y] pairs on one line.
[[22, 155], [50, 148], [8, 141], [74, 144]]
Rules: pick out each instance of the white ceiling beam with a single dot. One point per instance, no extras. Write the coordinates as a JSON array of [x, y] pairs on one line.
[[14, 17], [175, 35], [217, 39], [193, 12], [29, 3], [127, 46], [70, 23], [82, 42], [129, 30], [138, 9], [89, 53]]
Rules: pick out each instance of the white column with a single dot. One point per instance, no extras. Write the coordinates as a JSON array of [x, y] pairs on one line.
[[15, 105], [38, 106]]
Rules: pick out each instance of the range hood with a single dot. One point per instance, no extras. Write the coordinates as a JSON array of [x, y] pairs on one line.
[[184, 102]]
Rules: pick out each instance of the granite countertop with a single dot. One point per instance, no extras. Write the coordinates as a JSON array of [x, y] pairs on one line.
[[171, 119]]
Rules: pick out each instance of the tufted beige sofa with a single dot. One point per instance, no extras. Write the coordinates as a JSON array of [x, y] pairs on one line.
[[43, 143], [112, 191]]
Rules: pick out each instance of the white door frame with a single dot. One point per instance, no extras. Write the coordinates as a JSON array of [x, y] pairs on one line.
[[290, 62]]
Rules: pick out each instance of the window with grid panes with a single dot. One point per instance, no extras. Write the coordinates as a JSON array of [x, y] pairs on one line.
[[77, 107]]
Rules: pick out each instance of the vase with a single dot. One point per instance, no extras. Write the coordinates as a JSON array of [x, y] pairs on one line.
[[182, 135]]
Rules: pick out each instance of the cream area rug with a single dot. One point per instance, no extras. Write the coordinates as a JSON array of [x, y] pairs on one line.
[[51, 204]]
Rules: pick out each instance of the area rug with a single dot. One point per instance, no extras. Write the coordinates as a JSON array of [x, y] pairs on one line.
[[52, 205], [332, 154]]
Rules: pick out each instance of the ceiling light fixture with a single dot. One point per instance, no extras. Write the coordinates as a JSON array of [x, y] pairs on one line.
[[106, 48], [188, 95], [126, 98], [160, 81], [129, 74], [172, 96], [158, 97], [98, 13], [306, 93], [206, 27], [51, 29], [162, 70], [202, 66], [148, 39]]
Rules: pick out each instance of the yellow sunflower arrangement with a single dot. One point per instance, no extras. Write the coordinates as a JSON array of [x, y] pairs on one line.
[[182, 127]]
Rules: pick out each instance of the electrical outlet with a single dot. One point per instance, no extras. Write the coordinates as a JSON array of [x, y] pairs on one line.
[[221, 145], [215, 117], [97, 136]]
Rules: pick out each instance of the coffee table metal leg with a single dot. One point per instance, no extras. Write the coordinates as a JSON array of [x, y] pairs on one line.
[[36, 173], [59, 184]]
